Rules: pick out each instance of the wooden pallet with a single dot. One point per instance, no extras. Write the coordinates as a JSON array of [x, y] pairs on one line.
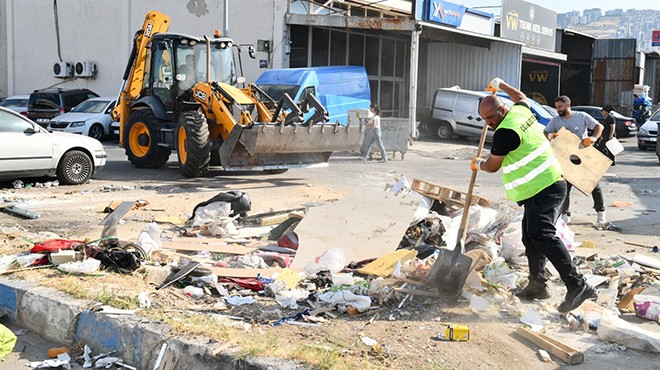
[[452, 198]]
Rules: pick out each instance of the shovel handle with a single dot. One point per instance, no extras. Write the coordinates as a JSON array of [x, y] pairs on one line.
[[468, 199]]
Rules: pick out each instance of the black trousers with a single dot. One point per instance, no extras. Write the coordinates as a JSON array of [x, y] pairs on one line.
[[596, 194], [540, 238]]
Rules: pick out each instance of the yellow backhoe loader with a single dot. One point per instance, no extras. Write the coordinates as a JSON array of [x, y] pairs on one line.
[[181, 93]]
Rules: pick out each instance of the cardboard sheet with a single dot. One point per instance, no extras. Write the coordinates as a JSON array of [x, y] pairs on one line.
[[363, 225]]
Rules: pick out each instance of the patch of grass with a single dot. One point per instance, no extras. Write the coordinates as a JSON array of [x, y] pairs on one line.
[[110, 298], [188, 323], [267, 347]]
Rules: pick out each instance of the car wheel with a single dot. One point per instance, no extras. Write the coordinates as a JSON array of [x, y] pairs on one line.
[[96, 132], [641, 147], [75, 168], [444, 131]]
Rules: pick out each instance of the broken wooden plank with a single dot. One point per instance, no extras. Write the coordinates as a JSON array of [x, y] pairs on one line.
[[586, 253], [117, 214], [385, 265], [581, 166], [203, 244], [445, 195], [625, 302], [419, 292], [565, 353], [243, 273]]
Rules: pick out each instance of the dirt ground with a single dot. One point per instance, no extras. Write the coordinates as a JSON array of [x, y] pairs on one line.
[[405, 337]]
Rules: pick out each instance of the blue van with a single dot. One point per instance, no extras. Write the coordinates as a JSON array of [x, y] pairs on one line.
[[338, 88]]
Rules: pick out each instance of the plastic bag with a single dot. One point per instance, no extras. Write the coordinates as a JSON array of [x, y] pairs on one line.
[[332, 260], [88, 266], [6, 262], [211, 212], [149, 239], [29, 259], [512, 245]]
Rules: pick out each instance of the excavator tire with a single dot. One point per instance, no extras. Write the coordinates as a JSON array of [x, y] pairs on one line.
[[193, 145], [141, 138]]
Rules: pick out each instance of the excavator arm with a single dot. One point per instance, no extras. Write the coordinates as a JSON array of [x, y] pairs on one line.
[[154, 22]]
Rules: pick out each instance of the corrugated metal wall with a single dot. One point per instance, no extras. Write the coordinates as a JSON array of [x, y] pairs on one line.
[[652, 78], [613, 73], [470, 67]]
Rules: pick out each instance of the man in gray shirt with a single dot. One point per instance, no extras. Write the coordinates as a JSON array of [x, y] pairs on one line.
[[577, 123]]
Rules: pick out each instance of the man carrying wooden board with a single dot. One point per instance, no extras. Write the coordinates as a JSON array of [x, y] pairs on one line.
[[577, 123], [532, 177]]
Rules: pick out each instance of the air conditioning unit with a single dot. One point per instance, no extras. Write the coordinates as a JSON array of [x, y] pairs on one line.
[[62, 70], [85, 69]]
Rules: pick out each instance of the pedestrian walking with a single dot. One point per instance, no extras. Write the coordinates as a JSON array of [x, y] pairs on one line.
[[578, 123], [375, 137], [532, 177], [609, 130]]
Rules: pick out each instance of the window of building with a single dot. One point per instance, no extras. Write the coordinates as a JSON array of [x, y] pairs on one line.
[[337, 48], [320, 46], [299, 36], [355, 49]]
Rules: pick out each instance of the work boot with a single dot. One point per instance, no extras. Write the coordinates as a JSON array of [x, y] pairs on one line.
[[566, 217], [575, 296], [534, 290], [600, 219]]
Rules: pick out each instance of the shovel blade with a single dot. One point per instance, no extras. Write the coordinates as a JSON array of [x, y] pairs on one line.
[[449, 276]]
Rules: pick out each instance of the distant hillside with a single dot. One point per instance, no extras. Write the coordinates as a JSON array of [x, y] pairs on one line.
[[632, 23]]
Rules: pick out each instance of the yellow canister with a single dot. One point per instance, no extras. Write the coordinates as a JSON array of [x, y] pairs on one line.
[[456, 333]]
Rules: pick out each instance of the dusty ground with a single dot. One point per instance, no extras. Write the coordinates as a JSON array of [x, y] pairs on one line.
[[406, 336]]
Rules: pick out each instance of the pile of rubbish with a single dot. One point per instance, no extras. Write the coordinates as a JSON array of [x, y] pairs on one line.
[[299, 268]]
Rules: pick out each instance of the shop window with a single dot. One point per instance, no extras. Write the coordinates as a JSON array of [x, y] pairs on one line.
[[355, 50], [320, 47], [386, 96], [371, 55], [299, 36], [401, 55], [338, 48], [387, 58]]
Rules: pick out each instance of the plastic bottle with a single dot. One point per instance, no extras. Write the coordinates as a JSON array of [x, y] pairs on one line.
[[193, 291]]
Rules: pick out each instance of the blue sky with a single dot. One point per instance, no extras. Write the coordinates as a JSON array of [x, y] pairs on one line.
[[563, 6]]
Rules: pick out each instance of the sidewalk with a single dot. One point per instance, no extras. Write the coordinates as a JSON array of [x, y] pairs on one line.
[[68, 321]]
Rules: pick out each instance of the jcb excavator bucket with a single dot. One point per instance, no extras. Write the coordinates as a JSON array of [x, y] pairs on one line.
[[266, 146]]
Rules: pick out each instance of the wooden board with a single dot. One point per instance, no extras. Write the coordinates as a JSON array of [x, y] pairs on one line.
[[449, 196], [204, 244], [243, 273], [591, 165], [567, 354], [363, 225]]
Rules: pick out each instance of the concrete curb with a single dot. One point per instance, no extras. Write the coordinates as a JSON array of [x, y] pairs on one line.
[[64, 319]]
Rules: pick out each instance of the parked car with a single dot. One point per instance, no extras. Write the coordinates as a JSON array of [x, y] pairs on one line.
[[91, 118], [625, 126], [551, 110], [17, 103], [542, 115], [647, 136], [456, 112], [43, 105], [28, 150]]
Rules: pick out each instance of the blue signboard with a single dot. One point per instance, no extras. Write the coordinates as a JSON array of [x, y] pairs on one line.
[[444, 12]]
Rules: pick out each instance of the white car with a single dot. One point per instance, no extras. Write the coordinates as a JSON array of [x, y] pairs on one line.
[[647, 136], [17, 103], [28, 150], [90, 118]]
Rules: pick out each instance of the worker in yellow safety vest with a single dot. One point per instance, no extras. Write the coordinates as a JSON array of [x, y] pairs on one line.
[[532, 177]]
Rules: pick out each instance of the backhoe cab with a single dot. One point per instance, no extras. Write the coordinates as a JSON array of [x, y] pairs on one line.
[[180, 93]]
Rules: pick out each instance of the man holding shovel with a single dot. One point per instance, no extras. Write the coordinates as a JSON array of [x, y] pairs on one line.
[[532, 178]]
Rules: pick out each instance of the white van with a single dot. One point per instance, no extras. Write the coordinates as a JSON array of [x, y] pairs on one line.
[[456, 112]]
